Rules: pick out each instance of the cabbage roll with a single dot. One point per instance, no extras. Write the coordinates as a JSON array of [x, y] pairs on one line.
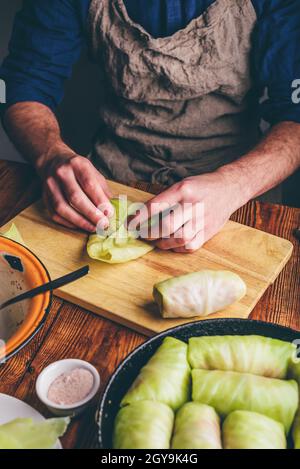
[[165, 378], [143, 425], [28, 434], [198, 294], [197, 426], [116, 244], [249, 430], [228, 391], [246, 354]]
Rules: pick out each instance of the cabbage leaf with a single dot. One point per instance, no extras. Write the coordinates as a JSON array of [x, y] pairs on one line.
[[29, 434], [116, 244], [14, 234]]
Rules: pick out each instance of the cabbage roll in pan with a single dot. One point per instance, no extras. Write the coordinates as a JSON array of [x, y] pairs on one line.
[[143, 425], [249, 430], [165, 378], [197, 426], [228, 391], [246, 354]]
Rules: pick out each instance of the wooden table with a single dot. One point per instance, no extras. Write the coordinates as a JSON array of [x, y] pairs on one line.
[[74, 333]]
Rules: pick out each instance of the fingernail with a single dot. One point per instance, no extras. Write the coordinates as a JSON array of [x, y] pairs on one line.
[[103, 224]]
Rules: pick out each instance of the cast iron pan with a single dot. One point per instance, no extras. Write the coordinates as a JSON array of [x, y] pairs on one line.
[[128, 370]]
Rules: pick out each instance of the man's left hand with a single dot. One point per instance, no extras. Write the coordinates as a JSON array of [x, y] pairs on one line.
[[201, 206]]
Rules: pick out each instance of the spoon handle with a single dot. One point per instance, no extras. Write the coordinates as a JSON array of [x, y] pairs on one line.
[[53, 285]]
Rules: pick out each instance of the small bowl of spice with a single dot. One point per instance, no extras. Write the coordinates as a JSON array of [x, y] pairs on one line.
[[67, 387]]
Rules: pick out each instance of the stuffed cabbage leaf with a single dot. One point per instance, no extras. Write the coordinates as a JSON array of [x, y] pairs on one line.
[[249, 430], [143, 425], [198, 294], [116, 244], [197, 426], [246, 354], [165, 378], [228, 391]]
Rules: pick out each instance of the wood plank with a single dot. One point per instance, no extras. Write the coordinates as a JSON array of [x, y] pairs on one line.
[[116, 291]]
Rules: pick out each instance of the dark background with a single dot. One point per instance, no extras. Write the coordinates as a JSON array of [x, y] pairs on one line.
[[78, 112]]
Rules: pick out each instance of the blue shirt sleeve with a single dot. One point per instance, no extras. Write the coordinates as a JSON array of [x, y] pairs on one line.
[[277, 57], [46, 41]]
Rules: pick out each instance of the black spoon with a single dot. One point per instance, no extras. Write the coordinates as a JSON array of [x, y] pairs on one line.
[[53, 285]]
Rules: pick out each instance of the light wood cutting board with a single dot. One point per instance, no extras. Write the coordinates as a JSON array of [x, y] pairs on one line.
[[123, 293]]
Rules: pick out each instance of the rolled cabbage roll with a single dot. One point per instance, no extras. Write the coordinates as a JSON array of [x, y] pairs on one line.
[[249, 430], [143, 425], [198, 294], [116, 244], [165, 378], [246, 354], [28, 434], [197, 426], [228, 391]]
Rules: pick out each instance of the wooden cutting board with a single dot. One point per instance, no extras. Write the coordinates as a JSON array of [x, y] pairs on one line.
[[123, 293]]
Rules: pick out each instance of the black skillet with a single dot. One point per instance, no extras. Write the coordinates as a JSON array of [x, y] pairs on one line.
[[127, 371]]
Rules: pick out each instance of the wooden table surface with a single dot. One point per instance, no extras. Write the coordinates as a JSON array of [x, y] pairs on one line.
[[71, 332]]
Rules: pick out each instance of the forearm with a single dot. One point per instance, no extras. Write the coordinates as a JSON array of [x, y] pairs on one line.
[[274, 159], [74, 192], [34, 130]]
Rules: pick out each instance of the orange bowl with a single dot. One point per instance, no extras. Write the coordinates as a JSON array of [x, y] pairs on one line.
[[20, 270]]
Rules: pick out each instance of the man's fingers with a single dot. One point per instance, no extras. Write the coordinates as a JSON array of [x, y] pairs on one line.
[[78, 200], [181, 237], [194, 245], [95, 187], [176, 226], [55, 217], [61, 221], [161, 203], [61, 207]]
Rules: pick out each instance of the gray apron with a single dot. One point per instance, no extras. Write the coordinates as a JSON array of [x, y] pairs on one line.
[[177, 106]]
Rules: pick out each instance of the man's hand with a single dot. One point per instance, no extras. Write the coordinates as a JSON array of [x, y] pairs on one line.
[[75, 193], [201, 207]]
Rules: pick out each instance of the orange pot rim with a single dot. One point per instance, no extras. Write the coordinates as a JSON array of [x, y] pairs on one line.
[[40, 305]]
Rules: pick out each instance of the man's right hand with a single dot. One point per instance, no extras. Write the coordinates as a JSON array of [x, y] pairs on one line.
[[75, 193]]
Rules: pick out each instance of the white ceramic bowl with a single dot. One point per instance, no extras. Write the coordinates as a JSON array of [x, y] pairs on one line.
[[51, 372]]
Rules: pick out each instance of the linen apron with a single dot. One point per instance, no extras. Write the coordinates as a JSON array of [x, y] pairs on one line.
[[177, 106]]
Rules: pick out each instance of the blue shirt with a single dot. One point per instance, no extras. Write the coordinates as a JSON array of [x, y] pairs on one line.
[[48, 36]]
